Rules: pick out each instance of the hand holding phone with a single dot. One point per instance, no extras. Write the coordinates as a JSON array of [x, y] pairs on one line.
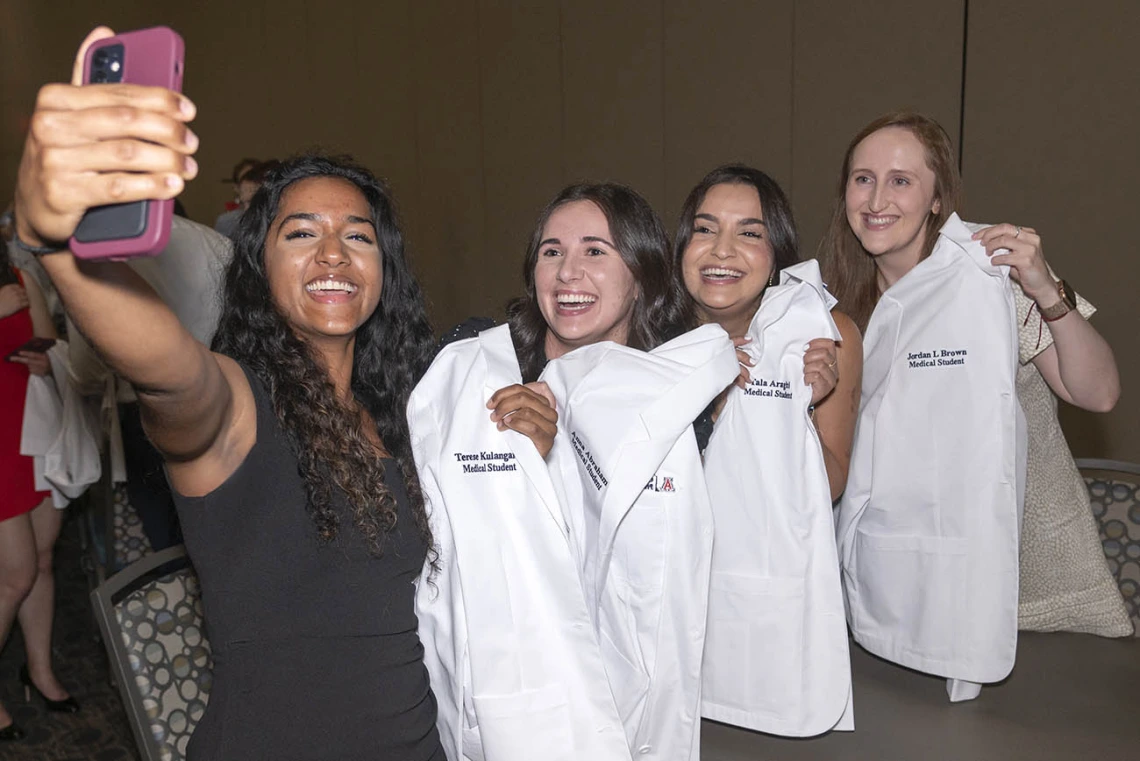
[[73, 156], [142, 228], [33, 354], [32, 346]]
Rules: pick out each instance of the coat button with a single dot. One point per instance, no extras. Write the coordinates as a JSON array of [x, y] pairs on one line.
[[644, 749]]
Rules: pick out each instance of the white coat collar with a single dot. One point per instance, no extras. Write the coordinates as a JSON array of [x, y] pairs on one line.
[[958, 235], [778, 299]]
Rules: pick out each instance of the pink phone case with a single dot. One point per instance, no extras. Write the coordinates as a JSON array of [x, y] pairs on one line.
[[154, 57]]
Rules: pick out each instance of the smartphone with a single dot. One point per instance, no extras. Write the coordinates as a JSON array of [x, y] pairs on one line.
[[118, 231], [34, 345]]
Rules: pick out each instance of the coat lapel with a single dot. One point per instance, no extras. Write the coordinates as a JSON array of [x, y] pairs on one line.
[[502, 371]]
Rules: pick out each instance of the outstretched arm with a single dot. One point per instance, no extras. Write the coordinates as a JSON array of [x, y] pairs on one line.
[[101, 144]]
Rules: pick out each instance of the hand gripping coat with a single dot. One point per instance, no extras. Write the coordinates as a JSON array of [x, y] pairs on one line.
[[776, 656], [928, 526], [510, 647]]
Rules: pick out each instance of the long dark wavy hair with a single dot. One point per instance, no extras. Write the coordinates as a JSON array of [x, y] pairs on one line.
[[393, 349], [662, 310], [849, 271], [778, 220]]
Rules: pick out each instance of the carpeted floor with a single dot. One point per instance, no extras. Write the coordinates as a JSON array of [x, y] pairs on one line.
[[99, 732]]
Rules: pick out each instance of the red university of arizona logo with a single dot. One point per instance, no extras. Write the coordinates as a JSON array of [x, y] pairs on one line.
[[661, 484]]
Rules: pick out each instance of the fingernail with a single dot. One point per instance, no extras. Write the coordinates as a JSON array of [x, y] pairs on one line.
[[807, 346], [187, 108], [190, 166], [191, 140], [173, 181]]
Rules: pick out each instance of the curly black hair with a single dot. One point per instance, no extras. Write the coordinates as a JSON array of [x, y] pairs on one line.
[[663, 309], [393, 349]]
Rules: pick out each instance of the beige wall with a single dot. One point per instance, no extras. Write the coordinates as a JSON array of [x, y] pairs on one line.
[[478, 111]]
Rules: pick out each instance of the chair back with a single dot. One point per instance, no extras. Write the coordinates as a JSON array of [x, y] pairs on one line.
[[1114, 491], [150, 614]]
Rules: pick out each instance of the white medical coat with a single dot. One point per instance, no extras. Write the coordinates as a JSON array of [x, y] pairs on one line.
[[643, 526], [928, 525], [776, 656], [508, 643]]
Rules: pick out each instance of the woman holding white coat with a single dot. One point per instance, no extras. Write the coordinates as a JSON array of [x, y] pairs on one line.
[[735, 235], [776, 657], [597, 271], [897, 194]]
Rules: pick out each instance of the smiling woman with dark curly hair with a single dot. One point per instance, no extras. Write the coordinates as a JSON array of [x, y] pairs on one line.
[[286, 447]]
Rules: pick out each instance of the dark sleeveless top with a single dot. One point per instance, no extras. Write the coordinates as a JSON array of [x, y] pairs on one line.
[[316, 654]]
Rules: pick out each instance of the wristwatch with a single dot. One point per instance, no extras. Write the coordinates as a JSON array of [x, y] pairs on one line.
[[1068, 303]]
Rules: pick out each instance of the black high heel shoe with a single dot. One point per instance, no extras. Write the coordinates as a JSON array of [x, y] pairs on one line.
[[67, 705], [12, 733]]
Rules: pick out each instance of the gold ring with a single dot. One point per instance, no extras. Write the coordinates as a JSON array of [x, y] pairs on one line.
[[834, 362]]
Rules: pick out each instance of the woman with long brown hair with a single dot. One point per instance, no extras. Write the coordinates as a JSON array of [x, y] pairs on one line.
[[896, 199]]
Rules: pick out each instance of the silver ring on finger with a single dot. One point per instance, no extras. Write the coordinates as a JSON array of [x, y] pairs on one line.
[[1017, 232]]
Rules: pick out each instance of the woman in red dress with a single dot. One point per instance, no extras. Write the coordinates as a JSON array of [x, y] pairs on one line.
[[29, 523]]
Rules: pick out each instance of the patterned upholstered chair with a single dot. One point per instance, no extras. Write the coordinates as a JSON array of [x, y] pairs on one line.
[[151, 618], [130, 542], [1114, 488]]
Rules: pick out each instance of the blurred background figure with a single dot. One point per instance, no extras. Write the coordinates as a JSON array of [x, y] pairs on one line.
[[247, 178], [226, 222], [29, 522], [30, 266]]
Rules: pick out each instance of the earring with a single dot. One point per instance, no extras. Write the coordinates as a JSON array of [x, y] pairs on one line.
[[771, 277]]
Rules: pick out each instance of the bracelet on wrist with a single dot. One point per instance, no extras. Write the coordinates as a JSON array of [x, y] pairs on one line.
[[36, 250]]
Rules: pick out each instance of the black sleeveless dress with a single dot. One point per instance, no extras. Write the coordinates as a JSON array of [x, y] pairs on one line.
[[316, 654]]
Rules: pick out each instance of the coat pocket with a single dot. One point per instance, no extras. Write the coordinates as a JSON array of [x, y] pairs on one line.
[[640, 546], [911, 591], [754, 644], [526, 725]]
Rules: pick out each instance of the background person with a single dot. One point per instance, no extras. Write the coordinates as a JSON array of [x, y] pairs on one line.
[[29, 522]]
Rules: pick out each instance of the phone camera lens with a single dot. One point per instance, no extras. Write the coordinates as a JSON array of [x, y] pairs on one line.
[[100, 56], [99, 76]]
